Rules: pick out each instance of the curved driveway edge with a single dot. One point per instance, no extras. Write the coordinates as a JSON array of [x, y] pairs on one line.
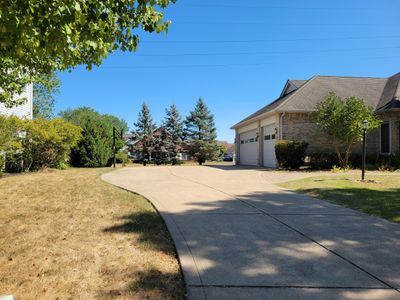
[[239, 236]]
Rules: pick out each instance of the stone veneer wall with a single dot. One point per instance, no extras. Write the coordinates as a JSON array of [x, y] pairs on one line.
[[301, 126]]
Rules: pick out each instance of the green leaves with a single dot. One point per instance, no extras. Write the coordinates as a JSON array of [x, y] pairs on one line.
[[342, 121], [44, 90], [39, 37], [95, 148], [44, 143]]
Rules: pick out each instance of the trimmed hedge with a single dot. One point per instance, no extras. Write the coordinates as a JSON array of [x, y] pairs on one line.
[[325, 161], [291, 154]]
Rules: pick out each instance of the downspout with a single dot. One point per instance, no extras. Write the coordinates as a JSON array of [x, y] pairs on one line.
[[281, 126]]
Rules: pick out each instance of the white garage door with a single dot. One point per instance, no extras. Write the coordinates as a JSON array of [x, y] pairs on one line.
[[248, 148], [269, 146]]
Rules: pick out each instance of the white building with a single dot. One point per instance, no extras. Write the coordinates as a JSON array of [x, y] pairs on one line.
[[24, 110]]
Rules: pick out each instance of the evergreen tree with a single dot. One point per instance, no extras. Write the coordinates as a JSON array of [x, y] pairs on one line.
[[163, 146], [95, 147], [201, 133], [174, 131], [145, 131]]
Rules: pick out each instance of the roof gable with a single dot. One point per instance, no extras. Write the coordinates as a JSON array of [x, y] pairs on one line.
[[315, 90], [391, 94], [292, 85], [303, 95]]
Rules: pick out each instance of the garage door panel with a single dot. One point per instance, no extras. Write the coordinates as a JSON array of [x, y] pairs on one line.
[[269, 138], [248, 148]]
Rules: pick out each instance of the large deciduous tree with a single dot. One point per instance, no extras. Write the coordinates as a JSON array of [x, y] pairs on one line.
[[201, 133], [342, 121], [145, 131], [39, 37], [44, 90]]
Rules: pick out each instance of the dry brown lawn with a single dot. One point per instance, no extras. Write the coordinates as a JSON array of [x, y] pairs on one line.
[[68, 235]]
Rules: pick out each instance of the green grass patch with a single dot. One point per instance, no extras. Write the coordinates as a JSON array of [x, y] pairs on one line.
[[379, 195]]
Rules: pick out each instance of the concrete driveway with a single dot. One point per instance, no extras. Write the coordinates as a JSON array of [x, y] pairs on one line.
[[239, 236]]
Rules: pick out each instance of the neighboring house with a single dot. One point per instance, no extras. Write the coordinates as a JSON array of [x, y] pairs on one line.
[[24, 110], [290, 117]]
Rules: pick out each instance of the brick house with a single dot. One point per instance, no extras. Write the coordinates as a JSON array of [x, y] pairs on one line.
[[289, 117]]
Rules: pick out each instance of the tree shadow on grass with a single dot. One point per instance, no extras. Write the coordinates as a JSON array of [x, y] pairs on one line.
[[152, 231], [150, 284], [382, 203], [161, 285]]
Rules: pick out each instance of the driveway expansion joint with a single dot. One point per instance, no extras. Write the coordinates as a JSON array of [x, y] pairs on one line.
[[228, 286], [229, 194], [293, 229]]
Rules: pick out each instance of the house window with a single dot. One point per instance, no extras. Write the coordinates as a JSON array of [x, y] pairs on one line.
[[251, 140], [272, 136], [385, 138], [267, 137], [242, 142]]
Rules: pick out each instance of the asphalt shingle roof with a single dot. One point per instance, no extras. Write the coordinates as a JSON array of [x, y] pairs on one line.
[[380, 93], [298, 83]]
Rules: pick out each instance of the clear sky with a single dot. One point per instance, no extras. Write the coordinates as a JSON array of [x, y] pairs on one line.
[[237, 55]]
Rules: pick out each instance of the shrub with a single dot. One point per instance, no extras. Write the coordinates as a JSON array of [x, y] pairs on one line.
[[62, 165], [323, 161], [336, 169], [14, 162], [395, 160], [36, 144], [1, 162], [48, 143], [291, 154], [122, 157]]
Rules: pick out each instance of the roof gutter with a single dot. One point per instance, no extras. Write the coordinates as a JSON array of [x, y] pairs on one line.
[[257, 118]]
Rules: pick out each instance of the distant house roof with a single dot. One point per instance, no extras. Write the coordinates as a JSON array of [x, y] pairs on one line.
[[379, 93]]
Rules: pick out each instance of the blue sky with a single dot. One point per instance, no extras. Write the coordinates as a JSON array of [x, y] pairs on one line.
[[237, 55]]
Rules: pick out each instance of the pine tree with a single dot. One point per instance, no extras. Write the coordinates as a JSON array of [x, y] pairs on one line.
[[201, 133], [174, 128], [145, 132], [162, 146]]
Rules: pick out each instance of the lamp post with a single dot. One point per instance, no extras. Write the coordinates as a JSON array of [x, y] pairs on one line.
[[364, 148]]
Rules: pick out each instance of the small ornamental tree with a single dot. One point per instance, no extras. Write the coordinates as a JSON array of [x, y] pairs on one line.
[[145, 132], [342, 121], [174, 127], [40, 37], [222, 150], [201, 133]]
